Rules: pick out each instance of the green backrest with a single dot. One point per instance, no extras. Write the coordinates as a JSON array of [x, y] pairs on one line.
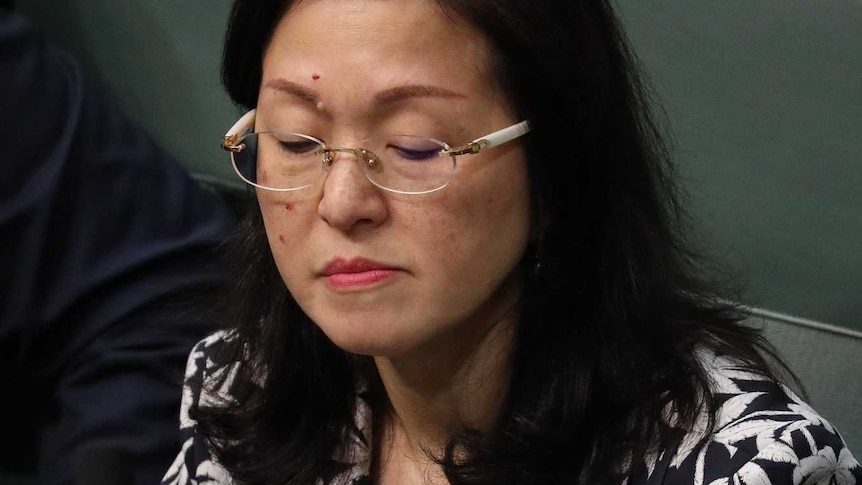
[[826, 359], [765, 100]]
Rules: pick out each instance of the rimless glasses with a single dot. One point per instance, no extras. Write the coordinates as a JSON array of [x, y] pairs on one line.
[[404, 164]]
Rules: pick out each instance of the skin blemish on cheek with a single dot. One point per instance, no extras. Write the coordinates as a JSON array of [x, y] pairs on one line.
[[315, 76], [288, 206], [281, 238], [320, 106]]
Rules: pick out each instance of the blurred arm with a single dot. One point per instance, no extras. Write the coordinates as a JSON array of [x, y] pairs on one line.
[[106, 246]]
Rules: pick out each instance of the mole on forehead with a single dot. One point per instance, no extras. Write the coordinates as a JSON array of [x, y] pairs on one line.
[[319, 105]]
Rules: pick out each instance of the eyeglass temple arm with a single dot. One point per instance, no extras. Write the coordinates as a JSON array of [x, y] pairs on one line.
[[242, 125], [246, 122], [491, 140]]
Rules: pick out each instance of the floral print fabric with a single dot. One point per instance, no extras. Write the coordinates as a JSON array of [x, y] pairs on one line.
[[763, 434]]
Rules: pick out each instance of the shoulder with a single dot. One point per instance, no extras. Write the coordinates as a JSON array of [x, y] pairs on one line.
[[209, 354], [210, 371], [207, 360], [763, 433]]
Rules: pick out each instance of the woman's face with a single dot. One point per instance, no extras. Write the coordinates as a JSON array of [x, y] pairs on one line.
[[383, 273]]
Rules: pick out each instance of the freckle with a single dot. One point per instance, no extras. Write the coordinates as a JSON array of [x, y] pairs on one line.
[[315, 76], [288, 206], [281, 238]]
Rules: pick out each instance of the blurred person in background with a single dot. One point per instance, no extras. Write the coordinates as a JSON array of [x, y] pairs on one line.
[[105, 250]]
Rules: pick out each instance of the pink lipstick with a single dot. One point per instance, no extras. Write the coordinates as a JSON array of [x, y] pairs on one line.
[[355, 272]]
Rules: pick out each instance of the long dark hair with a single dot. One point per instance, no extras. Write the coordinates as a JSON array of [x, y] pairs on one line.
[[611, 323]]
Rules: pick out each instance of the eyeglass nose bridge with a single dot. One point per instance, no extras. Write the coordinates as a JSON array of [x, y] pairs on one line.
[[371, 161]]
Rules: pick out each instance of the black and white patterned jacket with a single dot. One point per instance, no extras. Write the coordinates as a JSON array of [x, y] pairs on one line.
[[761, 436]]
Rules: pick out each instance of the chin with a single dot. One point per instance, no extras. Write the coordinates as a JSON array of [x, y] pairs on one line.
[[369, 342], [368, 331]]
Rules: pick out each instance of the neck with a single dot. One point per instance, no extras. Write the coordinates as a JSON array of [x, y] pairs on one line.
[[457, 384]]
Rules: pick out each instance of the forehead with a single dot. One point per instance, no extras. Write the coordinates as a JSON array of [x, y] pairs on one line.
[[378, 44]]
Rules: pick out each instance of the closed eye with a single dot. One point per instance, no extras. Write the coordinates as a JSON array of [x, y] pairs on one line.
[[414, 154], [298, 147]]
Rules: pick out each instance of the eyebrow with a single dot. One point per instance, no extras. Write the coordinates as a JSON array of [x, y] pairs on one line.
[[293, 89], [387, 96], [401, 93]]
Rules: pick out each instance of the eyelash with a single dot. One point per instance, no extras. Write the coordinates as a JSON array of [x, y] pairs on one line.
[[305, 146]]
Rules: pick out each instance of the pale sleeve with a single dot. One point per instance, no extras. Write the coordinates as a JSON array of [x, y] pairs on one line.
[[194, 464]]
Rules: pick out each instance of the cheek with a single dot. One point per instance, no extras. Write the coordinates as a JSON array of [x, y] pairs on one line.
[[281, 218], [486, 230], [497, 199], [498, 216], [285, 219]]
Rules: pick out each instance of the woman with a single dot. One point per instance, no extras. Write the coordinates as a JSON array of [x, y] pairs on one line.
[[413, 308]]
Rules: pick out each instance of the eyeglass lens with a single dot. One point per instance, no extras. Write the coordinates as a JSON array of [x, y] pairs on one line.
[[408, 164]]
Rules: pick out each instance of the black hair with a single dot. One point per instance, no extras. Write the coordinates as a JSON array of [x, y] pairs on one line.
[[611, 325]]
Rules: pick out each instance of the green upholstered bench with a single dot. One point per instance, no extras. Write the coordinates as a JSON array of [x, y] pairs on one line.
[[827, 359]]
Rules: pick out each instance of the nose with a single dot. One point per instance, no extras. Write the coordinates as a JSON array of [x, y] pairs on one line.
[[349, 200]]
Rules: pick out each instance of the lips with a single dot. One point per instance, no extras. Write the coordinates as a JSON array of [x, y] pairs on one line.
[[356, 265], [356, 272]]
